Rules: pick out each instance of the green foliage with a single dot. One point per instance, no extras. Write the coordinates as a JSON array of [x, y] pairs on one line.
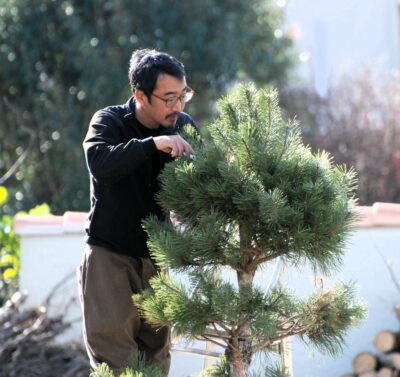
[[39, 210], [328, 315], [252, 193], [275, 371], [140, 370], [103, 370], [3, 195], [256, 172], [9, 252], [9, 258], [207, 297], [62, 60], [223, 369]]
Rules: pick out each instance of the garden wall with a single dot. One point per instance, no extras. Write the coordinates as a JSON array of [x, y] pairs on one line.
[[51, 249]]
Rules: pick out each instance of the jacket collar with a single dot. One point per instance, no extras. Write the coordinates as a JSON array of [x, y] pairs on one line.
[[130, 108], [131, 117]]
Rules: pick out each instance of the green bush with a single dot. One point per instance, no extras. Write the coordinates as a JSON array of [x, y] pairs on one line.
[[10, 247], [9, 252]]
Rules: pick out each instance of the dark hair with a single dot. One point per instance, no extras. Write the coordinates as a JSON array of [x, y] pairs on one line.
[[146, 65]]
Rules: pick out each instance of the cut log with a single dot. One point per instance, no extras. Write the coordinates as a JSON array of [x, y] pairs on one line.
[[391, 360], [387, 341], [368, 374], [365, 362], [386, 372]]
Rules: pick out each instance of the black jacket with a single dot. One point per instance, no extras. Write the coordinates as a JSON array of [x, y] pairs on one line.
[[124, 164]]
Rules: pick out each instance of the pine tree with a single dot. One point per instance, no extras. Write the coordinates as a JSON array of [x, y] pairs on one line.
[[253, 192]]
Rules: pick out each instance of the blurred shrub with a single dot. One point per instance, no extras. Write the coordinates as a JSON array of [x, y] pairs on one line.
[[10, 247], [9, 252]]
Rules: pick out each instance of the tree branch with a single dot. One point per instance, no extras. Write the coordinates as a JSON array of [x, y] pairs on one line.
[[270, 341], [389, 267], [212, 340]]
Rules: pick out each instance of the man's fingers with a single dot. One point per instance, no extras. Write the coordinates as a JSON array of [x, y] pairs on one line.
[[174, 144], [181, 147]]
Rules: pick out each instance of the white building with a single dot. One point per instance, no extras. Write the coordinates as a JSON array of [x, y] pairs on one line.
[[336, 37]]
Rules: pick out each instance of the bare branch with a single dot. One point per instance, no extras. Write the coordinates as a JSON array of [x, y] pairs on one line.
[[389, 267], [59, 285], [17, 164]]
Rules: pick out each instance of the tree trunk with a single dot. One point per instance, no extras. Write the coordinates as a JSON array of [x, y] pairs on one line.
[[240, 351], [239, 365]]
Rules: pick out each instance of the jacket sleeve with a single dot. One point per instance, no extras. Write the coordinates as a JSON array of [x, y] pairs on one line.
[[107, 157]]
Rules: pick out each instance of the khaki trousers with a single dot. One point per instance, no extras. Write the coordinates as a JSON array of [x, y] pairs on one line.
[[113, 331]]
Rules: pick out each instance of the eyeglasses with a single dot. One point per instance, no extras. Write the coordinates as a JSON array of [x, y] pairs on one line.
[[184, 98]]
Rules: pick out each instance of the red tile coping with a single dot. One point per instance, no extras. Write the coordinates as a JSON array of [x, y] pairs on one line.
[[70, 221], [377, 215]]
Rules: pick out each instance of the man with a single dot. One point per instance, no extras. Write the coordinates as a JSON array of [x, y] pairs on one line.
[[126, 147]]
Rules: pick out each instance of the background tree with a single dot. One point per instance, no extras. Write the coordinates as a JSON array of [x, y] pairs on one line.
[[358, 122], [62, 60], [252, 194]]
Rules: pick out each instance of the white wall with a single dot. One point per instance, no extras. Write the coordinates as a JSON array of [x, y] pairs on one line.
[[47, 260], [364, 263], [50, 253], [343, 36]]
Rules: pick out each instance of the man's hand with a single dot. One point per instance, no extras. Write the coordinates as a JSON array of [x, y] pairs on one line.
[[175, 145]]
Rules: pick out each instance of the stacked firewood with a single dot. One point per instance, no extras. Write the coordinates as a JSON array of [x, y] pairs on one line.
[[384, 363], [27, 345]]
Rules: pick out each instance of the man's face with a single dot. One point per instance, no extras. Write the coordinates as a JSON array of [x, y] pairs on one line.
[[157, 110]]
